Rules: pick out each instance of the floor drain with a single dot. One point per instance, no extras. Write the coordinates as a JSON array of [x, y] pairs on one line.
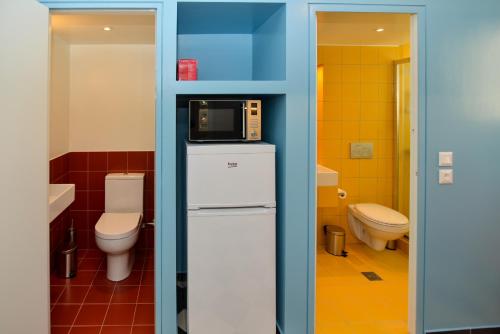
[[371, 276]]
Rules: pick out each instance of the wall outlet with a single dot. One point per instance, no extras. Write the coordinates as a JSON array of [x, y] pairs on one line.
[[361, 150]]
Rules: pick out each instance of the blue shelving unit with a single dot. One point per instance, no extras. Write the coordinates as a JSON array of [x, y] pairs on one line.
[[233, 41]]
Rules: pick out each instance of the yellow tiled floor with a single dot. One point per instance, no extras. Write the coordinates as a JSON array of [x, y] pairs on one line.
[[348, 303]]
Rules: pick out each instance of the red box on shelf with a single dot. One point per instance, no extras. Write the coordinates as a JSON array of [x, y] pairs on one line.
[[187, 69]]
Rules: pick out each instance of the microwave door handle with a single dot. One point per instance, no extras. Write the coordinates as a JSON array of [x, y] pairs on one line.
[[244, 113]]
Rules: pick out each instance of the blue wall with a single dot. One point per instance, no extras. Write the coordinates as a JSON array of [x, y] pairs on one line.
[[462, 268]]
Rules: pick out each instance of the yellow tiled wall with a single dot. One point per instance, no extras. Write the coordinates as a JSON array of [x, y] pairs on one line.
[[356, 104]]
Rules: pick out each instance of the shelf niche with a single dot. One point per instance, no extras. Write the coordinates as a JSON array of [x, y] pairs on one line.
[[233, 41]]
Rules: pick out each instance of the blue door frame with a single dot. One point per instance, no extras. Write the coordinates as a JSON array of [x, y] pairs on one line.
[[165, 196], [419, 11]]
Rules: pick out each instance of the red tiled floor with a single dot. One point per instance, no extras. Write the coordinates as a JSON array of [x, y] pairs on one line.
[[125, 294], [94, 253], [63, 314], [55, 292], [99, 294], [148, 277], [90, 303], [143, 330], [116, 329], [133, 279], [91, 315], [90, 264], [101, 279], [59, 330], [120, 314], [144, 314], [85, 330], [73, 294], [82, 278], [146, 294]]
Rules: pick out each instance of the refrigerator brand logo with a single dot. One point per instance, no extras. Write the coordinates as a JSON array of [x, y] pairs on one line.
[[232, 164]]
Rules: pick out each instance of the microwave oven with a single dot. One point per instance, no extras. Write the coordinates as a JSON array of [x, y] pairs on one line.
[[224, 120]]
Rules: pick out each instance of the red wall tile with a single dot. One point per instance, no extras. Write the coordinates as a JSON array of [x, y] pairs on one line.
[[117, 161]]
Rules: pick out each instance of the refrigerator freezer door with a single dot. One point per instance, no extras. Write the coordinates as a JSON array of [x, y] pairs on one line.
[[231, 271], [230, 175]]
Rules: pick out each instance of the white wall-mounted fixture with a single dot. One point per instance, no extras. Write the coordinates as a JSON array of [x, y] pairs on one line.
[[107, 28], [326, 177], [446, 176], [60, 197], [445, 159]]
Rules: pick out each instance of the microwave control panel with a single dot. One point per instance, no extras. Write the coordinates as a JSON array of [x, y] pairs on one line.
[[253, 123]]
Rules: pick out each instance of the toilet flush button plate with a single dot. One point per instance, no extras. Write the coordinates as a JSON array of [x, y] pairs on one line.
[[446, 176]]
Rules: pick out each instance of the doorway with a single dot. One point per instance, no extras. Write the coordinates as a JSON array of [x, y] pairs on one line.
[[357, 133], [102, 132]]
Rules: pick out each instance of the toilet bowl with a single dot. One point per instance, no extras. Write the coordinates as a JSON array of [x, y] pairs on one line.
[[376, 224], [116, 234], [118, 228]]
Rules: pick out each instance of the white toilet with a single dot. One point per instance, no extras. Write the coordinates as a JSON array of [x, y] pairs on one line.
[[118, 228], [376, 224]]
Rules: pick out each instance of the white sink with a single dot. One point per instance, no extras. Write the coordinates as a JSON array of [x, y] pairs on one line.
[[60, 197], [326, 177]]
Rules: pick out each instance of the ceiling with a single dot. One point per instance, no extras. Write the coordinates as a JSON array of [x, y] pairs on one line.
[[128, 27], [336, 28]]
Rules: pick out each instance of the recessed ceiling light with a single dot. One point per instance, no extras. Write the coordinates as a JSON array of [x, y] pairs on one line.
[[107, 28], [379, 29]]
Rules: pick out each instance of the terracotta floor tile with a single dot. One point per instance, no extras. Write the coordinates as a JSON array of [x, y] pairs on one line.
[[56, 280], [94, 253], [146, 294], [148, 277], [138, 263], [91, 315], [74, 294], [90, 264], [120, 314], [59, 330], [85, 330], [116, 329], [149, 263], [143, 330], [125, 294], [63, 314], [55, 292], [144, 314], [82, 278], [99, 294], [101, 279], [133, 279]]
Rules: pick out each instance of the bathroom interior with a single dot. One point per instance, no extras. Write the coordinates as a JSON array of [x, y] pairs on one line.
[[102, 171], [363, 153]]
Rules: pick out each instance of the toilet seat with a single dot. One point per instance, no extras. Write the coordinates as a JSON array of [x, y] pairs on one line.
[[380, 216], [114, 226]]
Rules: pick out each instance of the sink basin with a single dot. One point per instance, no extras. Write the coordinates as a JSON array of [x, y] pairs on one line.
[[60, 197], [326, 177]]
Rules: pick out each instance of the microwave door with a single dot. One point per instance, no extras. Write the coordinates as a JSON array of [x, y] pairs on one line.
[[217, 121]]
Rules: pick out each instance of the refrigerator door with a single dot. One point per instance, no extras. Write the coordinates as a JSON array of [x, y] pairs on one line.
[[231, 271], [230, 175]]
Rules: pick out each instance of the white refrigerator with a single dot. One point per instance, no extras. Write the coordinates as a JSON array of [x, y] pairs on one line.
[[231, 239]]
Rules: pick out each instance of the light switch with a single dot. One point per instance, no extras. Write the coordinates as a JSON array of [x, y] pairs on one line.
[[445, 159], [446, 176]]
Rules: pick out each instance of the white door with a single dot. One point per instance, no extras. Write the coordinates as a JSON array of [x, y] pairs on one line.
[[230, 175], [231, 271], [24, 227]]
